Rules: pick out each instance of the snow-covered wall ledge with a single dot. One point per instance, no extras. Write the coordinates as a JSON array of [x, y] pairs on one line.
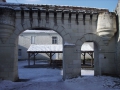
[[67, 43]]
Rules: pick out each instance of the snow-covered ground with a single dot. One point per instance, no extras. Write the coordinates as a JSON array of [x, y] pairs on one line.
[[51, 79]]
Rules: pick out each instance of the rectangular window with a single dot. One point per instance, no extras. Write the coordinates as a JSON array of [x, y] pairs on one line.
[[19, 52], [54, 40], [32, 39]]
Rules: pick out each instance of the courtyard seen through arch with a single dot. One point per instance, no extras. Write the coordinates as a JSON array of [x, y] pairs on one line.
[[45, 37], [43, 67]]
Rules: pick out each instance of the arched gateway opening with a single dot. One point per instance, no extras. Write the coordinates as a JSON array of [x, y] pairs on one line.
[[90, 59], [89, 51], [87, 59], [40, 55]]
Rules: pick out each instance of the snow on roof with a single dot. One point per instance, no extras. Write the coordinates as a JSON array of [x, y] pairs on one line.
[[55, 48], [45, 48], [86, 47], [39, 31]]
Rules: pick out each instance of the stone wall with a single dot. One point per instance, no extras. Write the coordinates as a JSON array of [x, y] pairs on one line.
[[118, 38], [76, 25]]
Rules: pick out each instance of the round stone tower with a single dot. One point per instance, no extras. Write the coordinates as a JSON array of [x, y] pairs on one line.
[[118, 38], [7, 23], [106, 26], [118, 14]]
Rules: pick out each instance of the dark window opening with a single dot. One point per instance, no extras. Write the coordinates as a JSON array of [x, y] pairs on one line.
[[32, 39], [54, 40]]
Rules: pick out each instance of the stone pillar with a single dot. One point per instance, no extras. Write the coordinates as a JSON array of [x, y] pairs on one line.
[[97, 60], [71, 63], [8, 62], [8, 59], [106, 26]]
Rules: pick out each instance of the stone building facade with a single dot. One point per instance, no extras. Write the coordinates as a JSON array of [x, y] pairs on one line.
[[75, 25]]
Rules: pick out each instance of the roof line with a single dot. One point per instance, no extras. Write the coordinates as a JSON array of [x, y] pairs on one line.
[[57, 7]]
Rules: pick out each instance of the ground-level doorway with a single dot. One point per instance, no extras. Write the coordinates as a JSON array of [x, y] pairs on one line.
[[87, 59]]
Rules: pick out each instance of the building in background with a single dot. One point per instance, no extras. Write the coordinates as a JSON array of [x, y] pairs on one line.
[[44, 37], [39, 37]]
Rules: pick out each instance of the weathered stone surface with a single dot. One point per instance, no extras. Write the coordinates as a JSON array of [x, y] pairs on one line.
[[76, 25], [106, 26]]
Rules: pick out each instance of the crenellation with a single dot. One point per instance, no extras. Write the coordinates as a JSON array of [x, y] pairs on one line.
[[66, 19], [80, 17], [25, 19], [43, 15], [43, 19], [87, 17], [59, 18], [73, 16], [18, 14], [47, 16], [35, 18], [66, 16], [55, 18], [39, 17], [59, 15], [51, 15], [35, 14], [51, 19], [27, 15], [94, 17]]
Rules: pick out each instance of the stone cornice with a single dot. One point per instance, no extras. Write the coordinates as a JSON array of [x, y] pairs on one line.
[[54, 8]]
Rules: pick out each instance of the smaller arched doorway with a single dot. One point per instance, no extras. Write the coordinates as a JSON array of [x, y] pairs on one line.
[[97, 42], [91, 66], [87, 59]]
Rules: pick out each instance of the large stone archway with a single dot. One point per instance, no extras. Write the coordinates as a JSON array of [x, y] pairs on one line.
[[75, 25], [60, 30], [97, 41], [103, 54]]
